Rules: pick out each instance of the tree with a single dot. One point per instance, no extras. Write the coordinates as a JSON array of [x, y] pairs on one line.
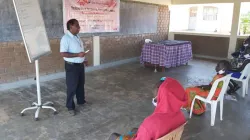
[[245, 23]]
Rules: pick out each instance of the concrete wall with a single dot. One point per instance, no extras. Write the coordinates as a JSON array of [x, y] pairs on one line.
[[180, 18], [233, 37], [223, 22], [205, 1], [132, 19], [178, 23], [115, 48], [51, 11], [14, 64], [161, 2]]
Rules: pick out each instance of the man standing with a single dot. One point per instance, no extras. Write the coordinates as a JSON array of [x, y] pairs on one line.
[[72, 50]]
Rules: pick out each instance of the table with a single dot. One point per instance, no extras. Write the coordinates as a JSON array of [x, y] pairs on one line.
[[167, 53]]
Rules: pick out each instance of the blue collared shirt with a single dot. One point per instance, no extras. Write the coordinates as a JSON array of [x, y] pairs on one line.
[[72, 44]]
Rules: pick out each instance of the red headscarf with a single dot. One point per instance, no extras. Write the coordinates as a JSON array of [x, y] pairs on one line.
[[171, 97], [167, 115]]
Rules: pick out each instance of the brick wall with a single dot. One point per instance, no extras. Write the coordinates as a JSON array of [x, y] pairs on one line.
[[14, 63], [128, 46]]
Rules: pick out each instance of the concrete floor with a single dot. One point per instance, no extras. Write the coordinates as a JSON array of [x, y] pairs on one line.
[[121, 99]]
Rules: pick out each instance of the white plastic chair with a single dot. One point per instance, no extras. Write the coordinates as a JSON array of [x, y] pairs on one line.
[[209, 100], [244, 78], [148, 41]]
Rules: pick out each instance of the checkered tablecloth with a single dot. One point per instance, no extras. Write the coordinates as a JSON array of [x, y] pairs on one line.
[[167, 53]]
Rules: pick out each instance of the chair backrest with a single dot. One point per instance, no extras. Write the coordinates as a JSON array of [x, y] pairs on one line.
[[246, 72], [148, 40], [175, 134], [225, 81]]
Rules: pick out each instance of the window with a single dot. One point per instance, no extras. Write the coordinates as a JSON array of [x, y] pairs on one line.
[[244, 22], [210, 13], [193, 12]]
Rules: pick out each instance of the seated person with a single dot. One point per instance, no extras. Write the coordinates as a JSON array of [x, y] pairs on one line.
[[199, 106], [166, 117], [241, 68], [243, 50], [236, 73], [243, 53]]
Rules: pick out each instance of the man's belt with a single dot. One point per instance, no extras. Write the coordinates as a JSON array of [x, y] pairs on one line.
[[75, 64]]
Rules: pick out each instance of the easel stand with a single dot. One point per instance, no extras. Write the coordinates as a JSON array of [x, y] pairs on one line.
[[39, 105]]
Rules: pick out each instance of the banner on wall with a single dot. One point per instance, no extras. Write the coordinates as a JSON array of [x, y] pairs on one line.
[[94, 16]]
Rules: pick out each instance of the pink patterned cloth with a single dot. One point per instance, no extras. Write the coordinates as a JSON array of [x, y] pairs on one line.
[[168, 53]]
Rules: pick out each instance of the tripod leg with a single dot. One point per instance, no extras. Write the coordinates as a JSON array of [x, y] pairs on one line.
[[29, 108], [37, 113]]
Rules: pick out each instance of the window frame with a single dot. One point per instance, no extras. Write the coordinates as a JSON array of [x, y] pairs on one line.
[[210, 13]]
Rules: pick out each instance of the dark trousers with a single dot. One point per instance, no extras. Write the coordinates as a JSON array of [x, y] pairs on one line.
[[75, 80], [232, 84]]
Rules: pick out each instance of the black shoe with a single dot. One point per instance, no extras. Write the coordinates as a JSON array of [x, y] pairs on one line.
[[230, 92], [85, 103], [72, 112]]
